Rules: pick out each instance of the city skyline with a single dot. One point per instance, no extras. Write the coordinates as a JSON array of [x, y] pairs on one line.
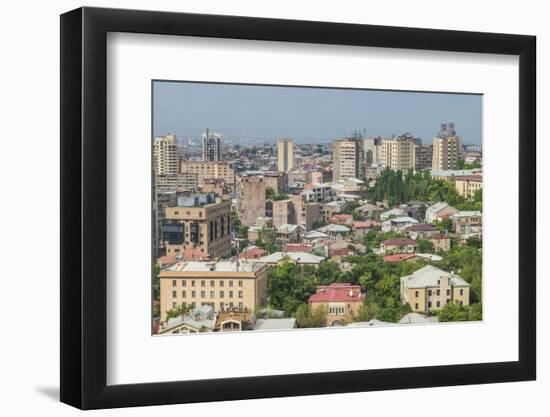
[[307, 114]]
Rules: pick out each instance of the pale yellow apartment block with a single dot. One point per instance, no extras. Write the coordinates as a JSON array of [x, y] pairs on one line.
[[431, 288], [226, 286], [466, 186]]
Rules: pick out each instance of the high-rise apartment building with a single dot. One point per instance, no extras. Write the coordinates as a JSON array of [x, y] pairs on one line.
[[285, 154], [251, 198], [198, 227], [423, 157], [446, 148], [397, 153], [211, 146], [346, 158], [166, 155]]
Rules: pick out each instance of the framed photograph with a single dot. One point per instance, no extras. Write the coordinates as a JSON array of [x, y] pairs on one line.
[[257, 208]]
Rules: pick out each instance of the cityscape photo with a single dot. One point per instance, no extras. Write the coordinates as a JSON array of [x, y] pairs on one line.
[[277, 208]]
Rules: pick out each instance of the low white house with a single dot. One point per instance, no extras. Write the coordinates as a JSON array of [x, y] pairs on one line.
[[397, 223]]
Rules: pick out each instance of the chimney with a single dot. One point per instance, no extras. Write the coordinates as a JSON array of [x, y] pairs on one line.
[[351, 293]]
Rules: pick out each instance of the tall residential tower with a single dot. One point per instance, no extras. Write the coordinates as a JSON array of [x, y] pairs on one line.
[[446, 148], [211, 146], [285, 154]]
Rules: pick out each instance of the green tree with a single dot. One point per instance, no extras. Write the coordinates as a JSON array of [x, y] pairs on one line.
[[156, 282], [424, 246], [270, 193], [182, 310], [308, 318], [453, 312]]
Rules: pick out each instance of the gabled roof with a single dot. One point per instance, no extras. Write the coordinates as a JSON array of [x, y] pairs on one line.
[[399, 241], [429, 276], [334, 228]]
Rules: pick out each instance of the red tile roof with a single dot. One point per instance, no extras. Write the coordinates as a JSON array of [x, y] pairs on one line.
[[365, 225], [337, 292], [252, 253], [297, 247], [399, 257], [399, 241]]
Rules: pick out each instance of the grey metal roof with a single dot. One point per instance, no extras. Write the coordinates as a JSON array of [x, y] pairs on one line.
[[275, 324], [428, 277]]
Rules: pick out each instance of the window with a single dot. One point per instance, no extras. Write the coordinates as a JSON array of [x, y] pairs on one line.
[[183, 283], [193, 294], [240, 283], [429, 304], [230, 294], [241, 307], [203, 294], [240, 294], [438, 304], [203, 283], [231, 305], [193, 304], [438, 292], [230, 283], [212, 294], [174, 294], [416, 306], [184, 294], [221, 294], [416, 294], [174, 305], [221, 283], [221, 306], [174, 283], [212, 283], [193, 283], [461, 291], [429, 293], [448, 292]]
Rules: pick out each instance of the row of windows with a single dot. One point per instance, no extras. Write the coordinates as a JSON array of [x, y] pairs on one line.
[[438, 292], [203, 283], [203, 294], [336, 311], [223, 306]]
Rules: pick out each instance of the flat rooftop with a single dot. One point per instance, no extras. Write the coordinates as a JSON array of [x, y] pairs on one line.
[[224, 266]]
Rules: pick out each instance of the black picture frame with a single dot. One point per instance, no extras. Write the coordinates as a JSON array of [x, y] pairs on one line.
[[84, 207]]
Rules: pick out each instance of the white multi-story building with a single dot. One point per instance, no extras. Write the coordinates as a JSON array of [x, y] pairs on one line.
[[165, 155]]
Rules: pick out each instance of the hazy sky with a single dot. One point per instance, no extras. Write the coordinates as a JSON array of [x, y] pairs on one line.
[[309, 114]]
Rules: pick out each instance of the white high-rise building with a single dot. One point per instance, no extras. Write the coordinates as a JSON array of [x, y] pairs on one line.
[[165, 154], [397, 153]]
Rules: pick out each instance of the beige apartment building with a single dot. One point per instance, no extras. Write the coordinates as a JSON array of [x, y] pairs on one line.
[[165, 155], [430, 288], [306, 213], [251, 199], [187, 182], [285, 154], [198, 228], [226, 286], [397, 153], [467, 185], [346, 159], [446, 148], [283, 213], [209, 170]]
